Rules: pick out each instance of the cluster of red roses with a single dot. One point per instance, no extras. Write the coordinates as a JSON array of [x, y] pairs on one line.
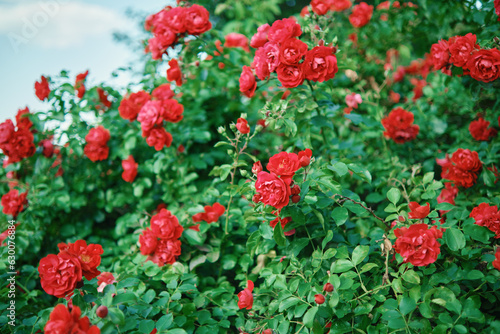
[[210, 215], [488, 216], [463, 51], [463, 168], [279, 50], [161, 241], [172, 23], [61, 274], [151, 112], [480, 131], [399, 126], [17, 144], [13, 202], [64, 320], [97, 144]]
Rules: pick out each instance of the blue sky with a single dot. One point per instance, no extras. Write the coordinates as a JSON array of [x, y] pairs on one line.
[[43, 37]]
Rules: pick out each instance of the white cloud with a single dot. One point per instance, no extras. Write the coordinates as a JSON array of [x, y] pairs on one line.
[[58, 23]]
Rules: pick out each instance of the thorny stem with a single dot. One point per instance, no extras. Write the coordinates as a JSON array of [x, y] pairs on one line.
[[370, 210]]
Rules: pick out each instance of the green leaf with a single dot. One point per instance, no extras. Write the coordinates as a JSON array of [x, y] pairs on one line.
[[407, 305], [341, 266], [362, 172], [340, 215], [127, 297], [394, 195], [279, 236], [411, 276], [165, 322], [287, 303], [445, 206], [309, 316], [479, 233], [428, 177], [116, 316], [146, 326], [454, 238], [339, 167], [359, 254], [327, 239]]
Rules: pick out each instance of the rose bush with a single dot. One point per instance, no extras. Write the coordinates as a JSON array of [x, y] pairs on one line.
[[326, 167]]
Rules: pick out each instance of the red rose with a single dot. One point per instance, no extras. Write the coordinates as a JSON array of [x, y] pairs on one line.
[[283, 222], [129, 169], [266, 60], [164, 38], [340, 5], [98, 136], [394, 96], [448, 194], [320, 64], [96, 152], [80, 84], [88, 255], [7, 130], [290, 76], [328, 287], [235, 40], [150, 115], [62, 321], [461, 48], [172, 110], [283, 29], [257, 168], [319, 299], [166, 251], [248, 85], [22, 119], [479, 130], [260, 38], [353, 100], [417, 244], [242, 126], [42, 89], [174, 72], [148, 241], [292, 51], [484, 65], [211, 214], [105, 278], [418, 89], [466, 167], [496, 4], [361, 15], [158, 138], [488, 216], [48, 148], [321, 7], [197, 20], [173, 19], [245, 297], [163, 92], [496, 262], [273, 190], [284, 164], [13, 202], [130, 106], [165, 225], [399, 126], [59, 274], [440, 54], [418, 211], [103, 97]]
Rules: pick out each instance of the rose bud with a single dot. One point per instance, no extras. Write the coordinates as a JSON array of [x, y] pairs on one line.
[[295, 198], [319, 299], [401, 218], [328, 287], [102, 311], [295, 190], [267, 331], [256, 198], [257, 167]]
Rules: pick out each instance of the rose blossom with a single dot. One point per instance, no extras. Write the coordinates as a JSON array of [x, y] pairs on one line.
[[88, 255], [105, 278], [273, 190], [42, 89], [260, 38], [488, 216], [211, 214], [353, 100], [361, 15], [242, 126], [62, 321], [284, 164], [292, 51], [59, 274], [248, 85], [399, 126], [150, 115], [479, 130], [496, 262], [129, 169], [245, 297], [163, 92], [158, 138], [165, 225], [284, 29], [484, 65], [171, 110], [417, 244], [13, 202], [174, 72], [131, 105], [320, 64], [236, 40], [461, 48], [418, 211]]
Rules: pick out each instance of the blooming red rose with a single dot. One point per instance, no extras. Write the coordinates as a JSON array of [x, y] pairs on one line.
[[292, 51], [484, 65], [257, 167], [418, 211], [290, 76], [496, 261], [88, 255], [284, 164], [13, 202], [105, 278], [488, 216], [80, 84], [21, 146], [399, 126], [173, 18], [321, 7], [197, 20], [236, 40], [166, 251], [465, 168], [417, 244], [171, 110], [479, 130], [394, 96], [461, 48], [48, 148], [163, 39], [283, 222], [163, 92], [103, 97], [211, 214], [448, 194], [266, 60], [305, 157], [158, 138], [320, 64], [440, 54], [245, 297], [174, 72], [496, 4], [165, 225], [22, 119], [361, 15], [98, 136], [131, 105], [353, 100], [283, 29], [242, 126], [42, 89], [148, 241], [150, 115], [7, 130], [319, 298], [129, 169], [59, 274], [248, 85], [273, 190], [62, 321], [96, 152], [260, 38], [340, 5]]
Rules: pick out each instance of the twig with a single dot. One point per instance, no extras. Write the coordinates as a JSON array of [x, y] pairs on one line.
[[370, 210]]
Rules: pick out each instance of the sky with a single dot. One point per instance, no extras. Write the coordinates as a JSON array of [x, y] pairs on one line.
[[43, 37]]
